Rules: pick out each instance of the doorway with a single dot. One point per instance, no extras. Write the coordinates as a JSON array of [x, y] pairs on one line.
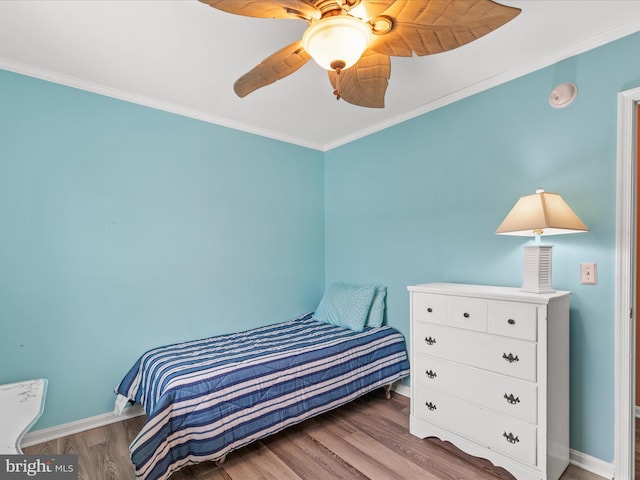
[[636, 390], [624, 315]]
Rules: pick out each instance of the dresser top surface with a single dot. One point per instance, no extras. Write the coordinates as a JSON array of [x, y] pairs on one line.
[[487, 291]]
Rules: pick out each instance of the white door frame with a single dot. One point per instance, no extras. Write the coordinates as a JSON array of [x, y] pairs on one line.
[[625, 286]]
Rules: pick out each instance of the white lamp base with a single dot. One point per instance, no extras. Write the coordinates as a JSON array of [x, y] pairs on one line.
[[537, 269]]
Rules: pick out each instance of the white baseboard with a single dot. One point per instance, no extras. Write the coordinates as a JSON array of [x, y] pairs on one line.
[[579, 459], [592, 464], [402, 390], [59, 431]]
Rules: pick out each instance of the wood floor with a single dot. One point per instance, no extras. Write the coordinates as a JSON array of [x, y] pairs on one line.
[[367, 439]]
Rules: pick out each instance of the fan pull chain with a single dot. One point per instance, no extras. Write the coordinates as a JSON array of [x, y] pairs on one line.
[[337, 65], [337, 91]]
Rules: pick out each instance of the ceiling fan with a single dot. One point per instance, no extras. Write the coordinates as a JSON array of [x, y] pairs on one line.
[[353, 39]]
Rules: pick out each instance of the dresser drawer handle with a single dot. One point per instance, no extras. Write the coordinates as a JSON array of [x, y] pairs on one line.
[[510, 437], [431, 406], [466, 315], [511, 321], [429, 309], [430, 341], [432, 374], [511, 399], [510, 358]]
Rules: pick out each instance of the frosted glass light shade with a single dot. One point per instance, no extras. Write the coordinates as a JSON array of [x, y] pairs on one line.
[[340, 38]]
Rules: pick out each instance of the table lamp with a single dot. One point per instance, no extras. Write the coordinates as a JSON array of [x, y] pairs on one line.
[[542, 213]]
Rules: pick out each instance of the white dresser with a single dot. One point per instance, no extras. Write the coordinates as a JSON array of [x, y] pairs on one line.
[[490, 373]]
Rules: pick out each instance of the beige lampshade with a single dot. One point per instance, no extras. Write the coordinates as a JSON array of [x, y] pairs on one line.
[[542, 213]]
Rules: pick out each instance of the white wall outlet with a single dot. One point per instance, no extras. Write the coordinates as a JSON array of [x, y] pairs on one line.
[[588, 274]]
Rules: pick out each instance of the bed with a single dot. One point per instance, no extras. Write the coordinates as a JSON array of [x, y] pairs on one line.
[[208, 397]]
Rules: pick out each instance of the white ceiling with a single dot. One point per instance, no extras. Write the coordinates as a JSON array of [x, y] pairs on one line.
[[183, 56]]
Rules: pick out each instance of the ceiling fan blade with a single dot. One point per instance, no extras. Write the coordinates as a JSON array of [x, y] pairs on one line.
[[436, 26], [279, 65], [365, 83], [267, 8]]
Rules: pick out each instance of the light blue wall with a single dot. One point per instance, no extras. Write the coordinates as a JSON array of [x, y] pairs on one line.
[[124, 228], [420, 202]]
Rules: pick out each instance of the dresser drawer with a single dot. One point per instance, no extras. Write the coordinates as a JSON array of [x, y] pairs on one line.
[[499, 432], [513, 320], [468, 313], [427, 307], [504, 394], [498, 354]]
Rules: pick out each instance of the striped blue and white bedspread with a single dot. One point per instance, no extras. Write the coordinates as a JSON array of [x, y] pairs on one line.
[[208, 397]]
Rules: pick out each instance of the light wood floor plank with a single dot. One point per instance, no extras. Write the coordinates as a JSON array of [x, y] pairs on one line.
[[396, 462], [309, 458], [332, 438], [257, 461]]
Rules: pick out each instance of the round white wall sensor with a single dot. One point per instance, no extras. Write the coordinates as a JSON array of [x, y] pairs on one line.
[[562, 95]]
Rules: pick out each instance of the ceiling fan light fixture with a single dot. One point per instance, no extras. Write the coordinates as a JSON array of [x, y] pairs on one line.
[[337, 40]]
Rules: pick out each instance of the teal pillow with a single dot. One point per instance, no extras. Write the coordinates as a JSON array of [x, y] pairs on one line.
[[376, 313], [346, 305]]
